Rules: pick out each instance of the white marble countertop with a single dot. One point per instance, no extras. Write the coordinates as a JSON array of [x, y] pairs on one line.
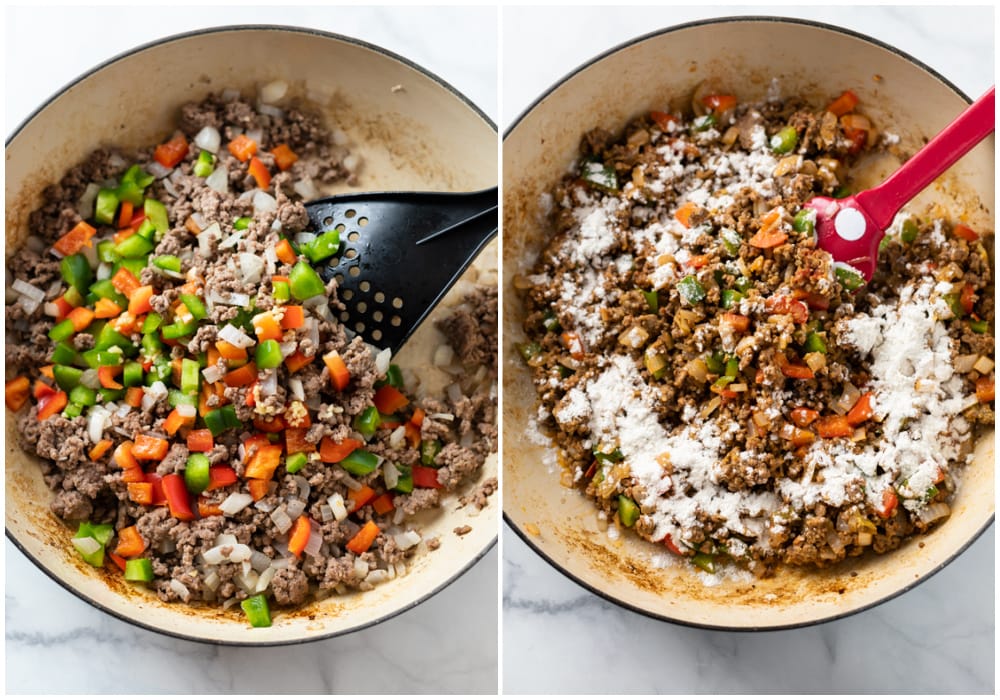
[[558, 637], [447, 644]]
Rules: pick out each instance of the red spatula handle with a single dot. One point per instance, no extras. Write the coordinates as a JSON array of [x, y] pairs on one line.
[[958, 138]]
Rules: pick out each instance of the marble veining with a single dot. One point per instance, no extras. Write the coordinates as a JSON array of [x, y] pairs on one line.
[[558, 637], [447, 644]]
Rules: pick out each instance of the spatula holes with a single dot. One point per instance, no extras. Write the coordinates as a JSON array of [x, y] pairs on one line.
[[339, 277], [377, 316], [340, 228], [349, 214], [376, 334], [354, 271], [397, 303], [333, 262], [361, 307], [363, 221], [328, 221], [379, 297], [350, 253], [359, 327], [347, 294], [365, 286], [344, 316], [395, 321], [353, 236]]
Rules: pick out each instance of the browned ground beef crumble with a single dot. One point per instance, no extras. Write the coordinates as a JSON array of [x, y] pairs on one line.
[[591, 318], [89, 490]]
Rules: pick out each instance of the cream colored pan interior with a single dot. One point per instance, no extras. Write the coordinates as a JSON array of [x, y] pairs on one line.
[[743, 55], [412, 132]]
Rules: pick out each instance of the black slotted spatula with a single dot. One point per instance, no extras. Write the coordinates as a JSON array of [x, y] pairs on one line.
[[400, 253]]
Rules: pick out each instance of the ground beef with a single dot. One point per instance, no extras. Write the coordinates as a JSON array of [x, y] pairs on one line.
[[99, 490], [472, 328]]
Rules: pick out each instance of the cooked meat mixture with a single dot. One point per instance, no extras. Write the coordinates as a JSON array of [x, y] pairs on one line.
[[714, 381], [175, 361]]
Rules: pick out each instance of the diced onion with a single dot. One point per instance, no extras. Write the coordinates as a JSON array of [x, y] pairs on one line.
[[264, 506], [85, 205], [157, 170], [28, 290], [360, 568], [211, 580], [315, 541], [443, 416], [336, 503], [218, 180], [983, 365], [235, 336], [382, 360], [326, 513], [454, 392], [29, 305], [259, 561], [180, 589], [271, 110], [281, 563], [268, 383], [247, 580], [232, 241], [350, 482], [406, 540], [281, 520], [306, 188], [50, 309], [265, 580], [934, 511], [240, 553], [256, 135], [443, 355], [963, 363], [303, 487], [235, 502], [169, 186], [104, 271], [187, 410], [86, 545], [90, 379], [295, 508], [273, 91], [263, 202], [298, 390], [352, 162], [214, 555], [99, 419], [251, 267], [845, 402], [230, 94], [396, 440], [153, 393], [377, 576], [205, 238], [208, 139], [288, 348], [212, 374], [304, 237]]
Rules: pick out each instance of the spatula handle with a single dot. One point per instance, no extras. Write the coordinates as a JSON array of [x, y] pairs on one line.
[[973, 125]]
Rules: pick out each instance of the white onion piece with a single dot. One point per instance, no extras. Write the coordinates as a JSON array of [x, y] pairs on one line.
[[214, 555], [382, 360], [294, 508], [269, 384], [247, 195], [235, 502], [153, 393], [304, 237], [251, 267], [85, 205], [247, 581], [240, 553], [443, 355], [390, 473], [187, 411], [398, 515], [405, 540], [158, 170], [123, 410], [96, 422], [205, 238], [264, 506], [360, 568], [325, 513], [90, 379], [103, 271], [211, 580], [281, 520], [350, 482], [298, 390], [218, 180], [963, 363], [235, 336], [934, 511], [265, 580], [50, 309], [336, 503], [208, 139], [282, 563], [442, 416], [270, 257], [86, 545], [287, 348], [271, 110], [273, 91], [28, 290], [454, 392], [377, 576], [29, 305], [180, 589], [225, 538], [263, 202], [232, 241], [306, 188], [169, 186], [315, 541], [212, 374], [255, 135], [259, 561], [398, 437], [303, 486]]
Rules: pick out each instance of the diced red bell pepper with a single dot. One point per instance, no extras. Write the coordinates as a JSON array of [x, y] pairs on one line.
[[425, 477], [16, 392], [172, 152], [221, 476], [51, 404], [331, 452], [159, 496], [861, 411], [178, 499], [388, 399], [300, 535]]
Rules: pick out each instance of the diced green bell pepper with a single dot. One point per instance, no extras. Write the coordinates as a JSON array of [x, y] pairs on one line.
[[691, 290], [168, 262], [85, 396], [130, 192], [628, 511], [72, 410], [731, 241], [106, 206], [105, 395], [139, 176], [108, 337], [323, 246], [980, 326], [304, 282], [268, 355], [367, 422], [550, 323], [359, 463], [280, 291], [190, 376], [529, 350], [652, 300], [815, 343], [705, 562], [106, 252], [76, 272], [105, 289], [156, 213], [173, 331], [195, 305], [785, 140], [196, 472], [66, 377], [139, 570], [132, 374], [133, 265], [730, 298], [704, 123], [176, 397], [405, 482], [65, 354], [295, 462], [257, 610], [429, 451], [848, 278], [716, 362], [908, 232], [600, 176], [242, 223], [134, 246], [805, 221], [151, 323], [62, 331], [612, 457], [204, 165]]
